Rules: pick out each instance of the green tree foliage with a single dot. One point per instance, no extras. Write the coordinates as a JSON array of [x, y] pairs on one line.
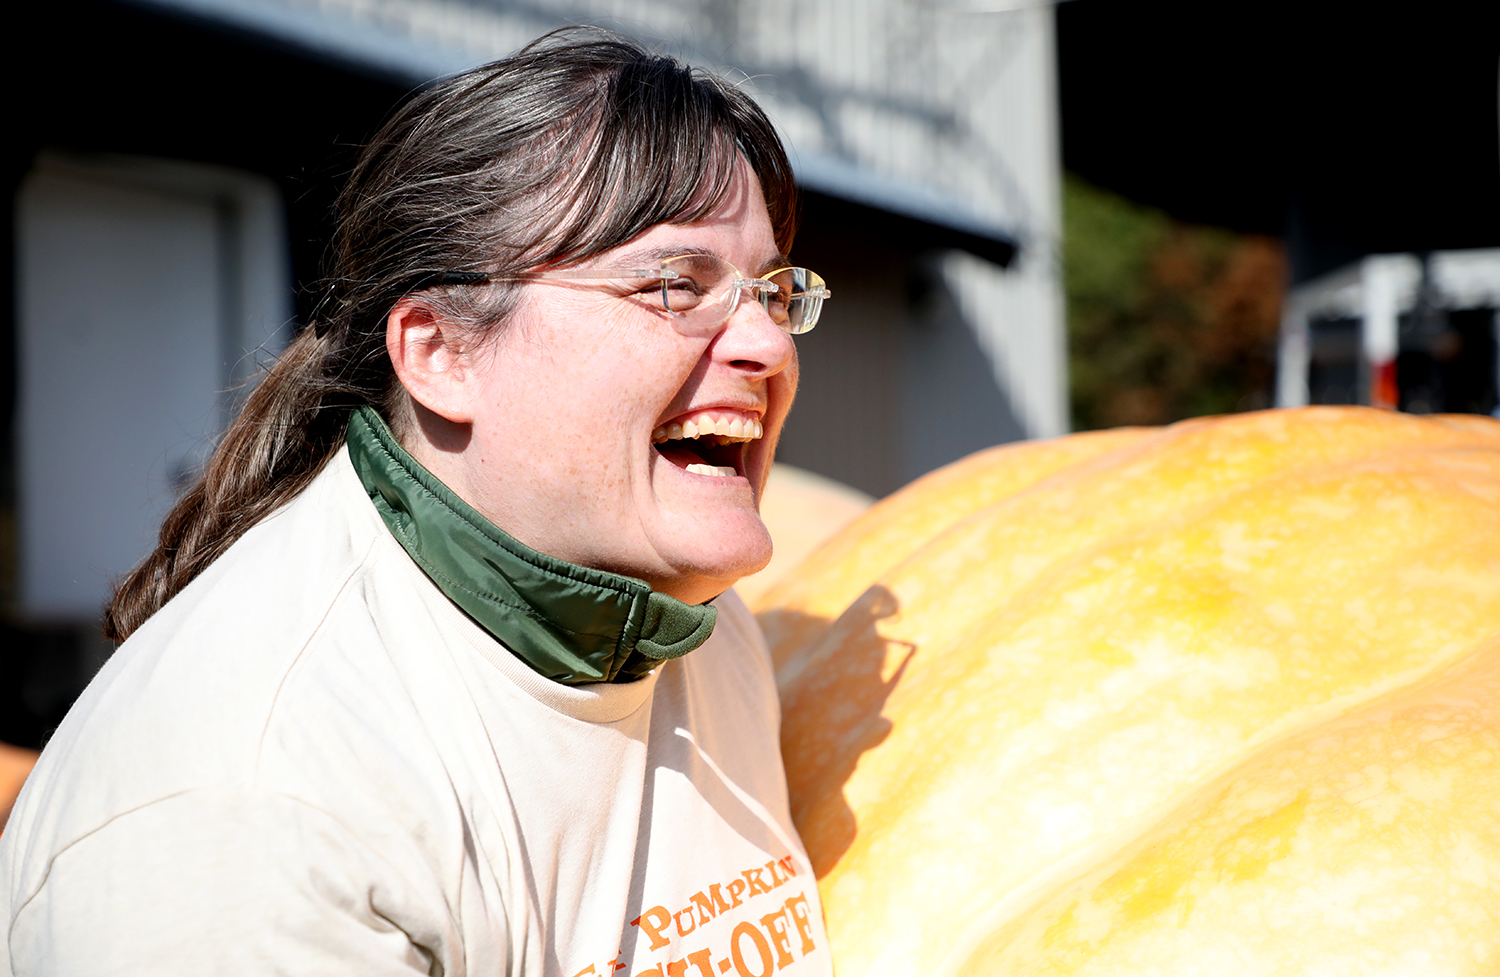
[[1166, 320]]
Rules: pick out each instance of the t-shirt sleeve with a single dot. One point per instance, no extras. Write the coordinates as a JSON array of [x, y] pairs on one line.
[[223, 882]]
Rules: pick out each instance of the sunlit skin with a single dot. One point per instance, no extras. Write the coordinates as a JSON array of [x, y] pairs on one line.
[[546, 429]]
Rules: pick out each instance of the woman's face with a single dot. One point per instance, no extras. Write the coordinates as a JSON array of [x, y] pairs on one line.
[[571, 395]]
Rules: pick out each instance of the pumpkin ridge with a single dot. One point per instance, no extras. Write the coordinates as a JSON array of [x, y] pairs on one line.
[[938, 736], [1481, 661]]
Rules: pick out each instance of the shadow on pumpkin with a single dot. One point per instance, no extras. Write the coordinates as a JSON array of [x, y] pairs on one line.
[[834, 690]]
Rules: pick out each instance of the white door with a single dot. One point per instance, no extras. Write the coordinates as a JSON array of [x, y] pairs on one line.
[[144, 289]]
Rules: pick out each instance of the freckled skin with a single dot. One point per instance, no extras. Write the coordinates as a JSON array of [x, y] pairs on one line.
[[565, 399]]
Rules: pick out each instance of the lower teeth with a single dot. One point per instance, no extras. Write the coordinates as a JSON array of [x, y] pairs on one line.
[[718, 471]]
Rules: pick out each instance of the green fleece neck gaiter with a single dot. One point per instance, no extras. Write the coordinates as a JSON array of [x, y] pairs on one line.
[[571, 624]]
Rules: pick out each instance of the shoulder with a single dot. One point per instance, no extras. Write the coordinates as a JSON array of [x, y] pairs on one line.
[[187, 702], [736, 653], [727, 685], [205, 873], [218, 654]]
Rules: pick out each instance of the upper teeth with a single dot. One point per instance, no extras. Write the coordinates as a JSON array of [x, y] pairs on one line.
[[733, 428]]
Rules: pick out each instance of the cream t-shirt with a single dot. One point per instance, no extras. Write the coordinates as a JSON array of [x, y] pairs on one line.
[[311, 762]]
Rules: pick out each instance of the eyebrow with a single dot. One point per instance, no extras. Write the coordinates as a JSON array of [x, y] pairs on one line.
[[661, 252]]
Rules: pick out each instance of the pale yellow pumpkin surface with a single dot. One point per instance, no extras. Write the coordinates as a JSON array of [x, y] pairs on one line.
[[1370, 845], [15, 767], [796, 610], [1019, 698]]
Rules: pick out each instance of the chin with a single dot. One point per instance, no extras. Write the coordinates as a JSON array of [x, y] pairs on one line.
[[707, 571]]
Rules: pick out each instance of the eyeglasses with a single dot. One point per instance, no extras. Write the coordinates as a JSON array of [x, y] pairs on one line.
[[700, 291]]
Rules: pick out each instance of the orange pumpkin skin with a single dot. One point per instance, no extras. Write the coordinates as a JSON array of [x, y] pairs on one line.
[[795, 610], [1015, 702], [15, 766], [1368, 845]]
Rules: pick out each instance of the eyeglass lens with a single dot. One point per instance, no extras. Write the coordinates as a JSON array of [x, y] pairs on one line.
[[705, 293]]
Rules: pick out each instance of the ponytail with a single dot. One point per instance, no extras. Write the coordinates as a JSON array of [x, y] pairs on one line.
[[278, 444]]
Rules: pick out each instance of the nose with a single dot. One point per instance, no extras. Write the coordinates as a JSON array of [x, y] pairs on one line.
[[752, 342]]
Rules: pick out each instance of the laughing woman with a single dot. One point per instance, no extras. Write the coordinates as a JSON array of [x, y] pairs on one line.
[[435, 672]]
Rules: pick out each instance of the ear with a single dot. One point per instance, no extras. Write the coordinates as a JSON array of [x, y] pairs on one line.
[[427, 354]]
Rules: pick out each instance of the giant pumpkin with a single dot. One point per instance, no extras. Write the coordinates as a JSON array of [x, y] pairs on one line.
[[1222, 697], [15, 766]]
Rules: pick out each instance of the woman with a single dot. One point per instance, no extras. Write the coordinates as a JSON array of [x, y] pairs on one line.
[[357, 728]]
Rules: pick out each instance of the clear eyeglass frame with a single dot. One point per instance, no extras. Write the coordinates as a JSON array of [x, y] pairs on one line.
[[700, 291]]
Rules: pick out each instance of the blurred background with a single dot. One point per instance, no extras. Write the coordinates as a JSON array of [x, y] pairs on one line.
[[1036, 218]]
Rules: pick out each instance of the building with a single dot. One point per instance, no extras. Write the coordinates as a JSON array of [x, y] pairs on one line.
[[1402, 331]]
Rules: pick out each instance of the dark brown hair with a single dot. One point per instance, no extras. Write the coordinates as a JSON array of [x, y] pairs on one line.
[[572, 147]]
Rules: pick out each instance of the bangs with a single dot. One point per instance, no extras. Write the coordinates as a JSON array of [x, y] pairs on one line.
[[661, 146], [572, 147]]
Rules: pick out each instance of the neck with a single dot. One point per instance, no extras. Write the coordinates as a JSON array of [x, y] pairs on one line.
[[570, 623]]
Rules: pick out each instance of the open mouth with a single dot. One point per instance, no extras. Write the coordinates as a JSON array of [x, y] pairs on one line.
[[707, 442]]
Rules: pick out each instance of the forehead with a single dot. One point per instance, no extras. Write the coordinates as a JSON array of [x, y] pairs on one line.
[[738, 230]]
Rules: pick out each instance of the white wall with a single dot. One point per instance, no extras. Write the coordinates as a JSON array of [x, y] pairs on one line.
[[953, 97]]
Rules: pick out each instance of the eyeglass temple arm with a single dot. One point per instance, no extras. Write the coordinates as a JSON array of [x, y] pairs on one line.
[[662, 274], [480, 278]]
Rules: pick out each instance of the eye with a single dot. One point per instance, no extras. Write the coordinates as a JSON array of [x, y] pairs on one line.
[[646, 291], [685, 284], [788, 294], [683, 293]]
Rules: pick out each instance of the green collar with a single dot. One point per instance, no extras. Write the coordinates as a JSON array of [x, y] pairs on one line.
[[569, 623]]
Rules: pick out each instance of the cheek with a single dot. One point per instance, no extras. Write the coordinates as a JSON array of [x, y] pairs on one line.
[[783, 388], [590, 383]]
